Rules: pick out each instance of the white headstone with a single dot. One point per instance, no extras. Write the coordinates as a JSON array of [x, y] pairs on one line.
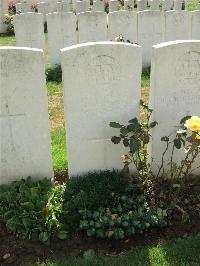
[[24, 126], [177, 25], [167, 5], [23, 8], [29, 30], [175, 93], [61, 33], [81, 6], [150, 32], [92, 26], [125, 23], [195, 25], [62, 7], [129, 5], [98, 5], [4, 6], [44, 8], [141, 5], [154, 4], [113, 5], [3, 11], [100, 87], [53, 5], [178, 4]]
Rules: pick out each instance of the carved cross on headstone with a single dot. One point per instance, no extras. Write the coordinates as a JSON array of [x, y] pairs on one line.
[[30, 40], [10, 117]]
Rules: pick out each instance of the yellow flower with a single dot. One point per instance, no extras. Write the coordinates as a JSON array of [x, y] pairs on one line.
[[197, 136], [119, 38], [7, 16], [193, 124]]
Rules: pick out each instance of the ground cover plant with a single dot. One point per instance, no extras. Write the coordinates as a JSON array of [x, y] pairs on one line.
[[31, 210]]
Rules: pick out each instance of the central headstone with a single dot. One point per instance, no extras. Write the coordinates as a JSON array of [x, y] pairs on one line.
[[24, 126], [100, 87]]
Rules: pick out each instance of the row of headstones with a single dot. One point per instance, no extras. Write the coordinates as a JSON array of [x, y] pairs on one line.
[[99, 5], [100, 87], [145, 28], [48, 6]]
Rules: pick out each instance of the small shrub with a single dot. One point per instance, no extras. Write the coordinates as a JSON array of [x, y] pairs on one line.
[[91, 191], [31, 210], [54, 74]]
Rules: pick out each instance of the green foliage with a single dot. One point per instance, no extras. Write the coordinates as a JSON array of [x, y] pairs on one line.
[[135, 136], [31, 210], [132, 215], [54, 74], [91, 191]]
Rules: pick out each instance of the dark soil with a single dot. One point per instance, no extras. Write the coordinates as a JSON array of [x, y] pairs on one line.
[[15, 252]]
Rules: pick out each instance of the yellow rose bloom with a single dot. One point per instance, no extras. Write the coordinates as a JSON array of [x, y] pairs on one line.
[[193, 124], [197, 136]]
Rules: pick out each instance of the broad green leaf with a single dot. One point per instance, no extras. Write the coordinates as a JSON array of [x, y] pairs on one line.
[[135, 145], [165, 138], [153, 124], [62, 235], [177, 143], [124, 131], [115, 125], [44, 236]]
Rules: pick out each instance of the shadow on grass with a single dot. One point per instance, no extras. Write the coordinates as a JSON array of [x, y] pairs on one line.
[[175, 253]]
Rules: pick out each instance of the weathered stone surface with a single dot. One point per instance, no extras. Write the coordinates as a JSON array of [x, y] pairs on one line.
[[61, 33], [125, 23], [29, 30], [92, 26], [177, 25], [150, 32], [100, 87], [195, 25], [25, 146], [174, 94]]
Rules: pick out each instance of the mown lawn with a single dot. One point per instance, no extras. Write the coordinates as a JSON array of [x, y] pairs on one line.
[[183, 252]]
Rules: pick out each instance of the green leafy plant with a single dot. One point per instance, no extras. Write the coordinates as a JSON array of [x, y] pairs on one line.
[[91, 191], [132, 215], [135, 136], [31, 210], [54, 74]]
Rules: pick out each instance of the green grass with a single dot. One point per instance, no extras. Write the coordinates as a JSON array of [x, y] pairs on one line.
[[58, 138], [192, 6], [175, 253], [54, 88], [6, 40], [145, 82]]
